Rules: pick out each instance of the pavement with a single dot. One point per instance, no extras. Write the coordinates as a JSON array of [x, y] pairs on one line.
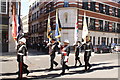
[[103, 66]]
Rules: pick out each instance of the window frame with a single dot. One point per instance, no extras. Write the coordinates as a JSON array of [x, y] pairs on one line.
[[6, 7]]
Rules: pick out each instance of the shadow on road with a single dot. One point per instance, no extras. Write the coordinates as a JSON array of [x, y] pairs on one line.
[[50, 76]]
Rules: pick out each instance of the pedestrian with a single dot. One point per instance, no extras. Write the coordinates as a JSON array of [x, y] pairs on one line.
[[22, 50], [54, 48], [46, 48], [87, 54], [65, 51], [77, 53], [44, 45]]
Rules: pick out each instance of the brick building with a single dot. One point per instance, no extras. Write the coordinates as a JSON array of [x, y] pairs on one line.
[[103, 19]]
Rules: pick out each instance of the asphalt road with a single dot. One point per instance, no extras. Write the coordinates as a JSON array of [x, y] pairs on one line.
[[103, 66]]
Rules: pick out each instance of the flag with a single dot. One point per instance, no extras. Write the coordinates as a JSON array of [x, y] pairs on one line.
[[60, 27], [49, 31], [19, 29], [85, 29], [76, 31], [14, 24], [57, 29]]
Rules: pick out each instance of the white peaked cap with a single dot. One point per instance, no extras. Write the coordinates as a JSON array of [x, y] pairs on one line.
[[66, 41], [22, 40]]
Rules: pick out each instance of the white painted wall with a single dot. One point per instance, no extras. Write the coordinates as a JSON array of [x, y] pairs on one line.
[[72, 13]]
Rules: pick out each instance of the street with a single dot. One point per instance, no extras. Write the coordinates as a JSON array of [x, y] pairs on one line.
[[103, 66]]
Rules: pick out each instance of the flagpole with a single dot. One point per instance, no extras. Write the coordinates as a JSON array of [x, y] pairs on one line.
[[49, 31], [76, 29], [60, 27]]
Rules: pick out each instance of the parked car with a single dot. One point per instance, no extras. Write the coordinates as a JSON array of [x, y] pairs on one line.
[[117, 48], [101, 49]]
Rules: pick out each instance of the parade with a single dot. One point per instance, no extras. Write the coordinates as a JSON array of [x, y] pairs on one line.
[[54, 45]]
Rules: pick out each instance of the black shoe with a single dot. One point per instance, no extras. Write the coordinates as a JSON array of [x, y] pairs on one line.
[[62, 73], [75, 65], [68, 68], [50, 69], [56, 64], [80, 65], [89, 67], [85, 71], [27, 73]]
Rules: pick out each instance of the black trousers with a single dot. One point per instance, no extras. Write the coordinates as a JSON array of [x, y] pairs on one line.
[[25, 70], [77, 58], [64, 66], [53, 62], [86, 59]]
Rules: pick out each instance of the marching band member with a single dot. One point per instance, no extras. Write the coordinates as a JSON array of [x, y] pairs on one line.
[[22, 51], [52, 49], [77, 52], [87, 54], [64, 56]]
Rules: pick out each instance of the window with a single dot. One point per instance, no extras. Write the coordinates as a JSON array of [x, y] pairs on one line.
[[113, 11], [106, 28], [107, 9], [51, 6], [111, 40], [113, 27], [101, 25], [101, 8], [91, 38], [42, 11], [35, 4], [92, 6], [98, 40], [92, 24], [118, 13], [85, 4], [3, 7], [119, 41], [37, 14], [115, 40], [30, 7], [107, 41], [66, 3], [66, 17], [103, 41], [94, 40], [118, 28]]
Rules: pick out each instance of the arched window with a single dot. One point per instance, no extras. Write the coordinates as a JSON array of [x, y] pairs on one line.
[[66, 17]]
